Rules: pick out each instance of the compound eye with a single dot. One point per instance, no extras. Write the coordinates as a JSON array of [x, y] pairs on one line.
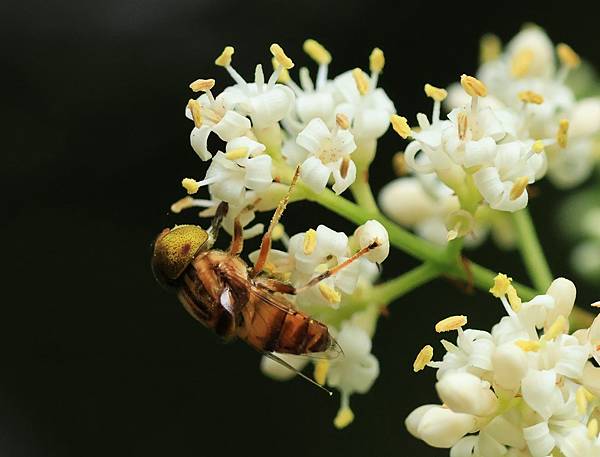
[[175, 249]]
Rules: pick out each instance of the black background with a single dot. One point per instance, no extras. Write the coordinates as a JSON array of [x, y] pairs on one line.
[[96, 359]]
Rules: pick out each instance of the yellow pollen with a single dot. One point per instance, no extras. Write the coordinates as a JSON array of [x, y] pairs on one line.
[[581, 400], [521, 62], [513, 298], [490, 48], [463, 123], [278, 232], [473, 86], [191, 185], [181, 204], [528, 345], [224, 60], [400, 126], [399, 164], [450, 323], [310, 241], [501, 285], [344, 417], [592, 429], [332, 296], [528, 96], [439, 95], [567, 56], [423, 358], [362, 83], [344, 167], [194, 107], [519, 187], [342, 121], [561, 136], [284, 75], [321, 369], [237, 153], [560, 326], [538, 147], [283, 60], [202, 85], [316, 51], [376, 60]]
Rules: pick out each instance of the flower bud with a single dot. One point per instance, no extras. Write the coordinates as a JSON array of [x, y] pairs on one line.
[[510, 366], [466, 393], [441, 427], [373, 232], [563, 291]]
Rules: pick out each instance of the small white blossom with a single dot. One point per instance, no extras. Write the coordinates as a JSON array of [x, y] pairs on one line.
[[373, 232]]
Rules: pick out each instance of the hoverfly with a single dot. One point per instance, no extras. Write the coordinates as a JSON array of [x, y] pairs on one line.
[[219, 289]]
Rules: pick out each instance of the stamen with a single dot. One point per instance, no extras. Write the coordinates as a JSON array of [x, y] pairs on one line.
[[450, 323], [362, 83], [538, 147], [310, 241], [283, 76], [399, 164], [195, 108], [224, 60], [581, 400], [490, 48], [189, 202], [528, 96], [501, 285], [305, 81], [519, 187], [560, 326], [513, 298], [473, 86], [191, 185], [321, 370], [567, 56], [463, 123], [281, 57], [332, 296], [344, 417], [528, 345], [344, 166], [561, 136], [237, 153], [439, 95], [521, 62], [342, 121], [592, 429], [400, 126], [202, 85], [376, 60], [423, 358], [316, 51]]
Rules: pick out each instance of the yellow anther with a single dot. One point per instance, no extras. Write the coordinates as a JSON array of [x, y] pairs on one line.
[[400, 126], [592, 429], [423, 358], [567, 56], [191, 185], [181, 204], [561, 135], [528, 96], [399, 164], [581, 399], [332, 296], [450, 323], [490, 48], [538, 147], [376, 60], [452, 235], [278, 232], [521, 63], [513, 298], [560, 326], [224, 60], [284, 75], [501, 285], [345, 167], [473, 86], [279, 54], [202, 85], [361, 80], [439, 95], [321, 370], [237, 153], [342, 121], [519, 187], [310, 241], [462, 124], [344, 417], [528, 345], [195, 108], [316, 51]]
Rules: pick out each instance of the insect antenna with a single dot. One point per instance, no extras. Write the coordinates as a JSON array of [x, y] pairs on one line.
[[282, 362]]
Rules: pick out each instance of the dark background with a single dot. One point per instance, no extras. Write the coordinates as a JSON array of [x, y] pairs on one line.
[[96, 359]]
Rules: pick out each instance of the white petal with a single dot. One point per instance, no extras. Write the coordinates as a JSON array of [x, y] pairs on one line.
[[510, 366], [489, 184], [442, 428], [254, 147], [341, 184], [540, 392], [405, 201], [314, 136], [466, 393], [272, 106], [539, 440], [330, 242], [231, 126], [564, 292], [480, 152], [314, 174], [258, 173], [199, 141], [315, 105], [276, 370], [414, 419]]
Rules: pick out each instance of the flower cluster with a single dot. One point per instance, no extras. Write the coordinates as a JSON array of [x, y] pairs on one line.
[[527, 388]]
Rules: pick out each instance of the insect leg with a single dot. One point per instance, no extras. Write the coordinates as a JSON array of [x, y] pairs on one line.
[[237, 242], [273, 285], [265, 245], [279, 360], [217, 220]]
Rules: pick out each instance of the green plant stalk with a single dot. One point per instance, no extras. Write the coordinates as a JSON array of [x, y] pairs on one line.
[[531, 250], [361, 190]]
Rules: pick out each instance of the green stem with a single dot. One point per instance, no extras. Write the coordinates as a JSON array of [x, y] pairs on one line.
[[531, 251], [361, 190]]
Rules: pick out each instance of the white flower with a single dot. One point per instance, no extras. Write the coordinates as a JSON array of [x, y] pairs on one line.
[[580, 443], [466, 393], [277, 371], [438, 426], [373, 232], [329, 153]]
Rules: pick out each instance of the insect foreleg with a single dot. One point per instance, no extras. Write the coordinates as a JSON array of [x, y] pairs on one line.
[[217, 221]]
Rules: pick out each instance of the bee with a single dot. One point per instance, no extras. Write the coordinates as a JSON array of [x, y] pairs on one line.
[[224, 294]]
